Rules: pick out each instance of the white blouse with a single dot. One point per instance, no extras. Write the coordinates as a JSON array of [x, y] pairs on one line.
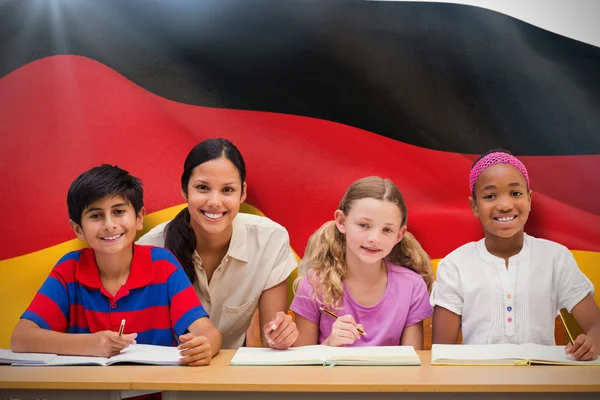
[[517, 304], [259, 257]]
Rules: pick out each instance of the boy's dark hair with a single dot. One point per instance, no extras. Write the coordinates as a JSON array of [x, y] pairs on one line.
[[101, 181]]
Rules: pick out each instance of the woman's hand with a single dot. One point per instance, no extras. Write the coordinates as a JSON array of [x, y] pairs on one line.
[[281, 331]]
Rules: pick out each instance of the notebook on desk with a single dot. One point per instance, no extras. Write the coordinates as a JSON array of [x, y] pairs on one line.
[[135, 354], [502, 354], [327, 355]]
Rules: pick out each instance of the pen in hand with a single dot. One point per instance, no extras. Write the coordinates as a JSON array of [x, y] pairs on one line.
[[336, 317], [122, 327]]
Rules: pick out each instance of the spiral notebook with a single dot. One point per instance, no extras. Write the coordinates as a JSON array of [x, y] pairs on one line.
[[327, 355]]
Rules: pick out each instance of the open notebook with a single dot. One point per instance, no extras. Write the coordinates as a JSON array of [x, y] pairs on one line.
[[502, 354], [327, 355], [137, 354]]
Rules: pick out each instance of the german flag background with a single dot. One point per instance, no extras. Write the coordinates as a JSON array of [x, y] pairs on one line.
[[315, 94]]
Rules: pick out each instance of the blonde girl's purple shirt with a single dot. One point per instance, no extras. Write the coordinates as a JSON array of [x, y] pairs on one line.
[[404, 303]]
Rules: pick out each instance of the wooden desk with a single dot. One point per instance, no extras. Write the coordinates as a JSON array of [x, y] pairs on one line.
[[89, 383], [222, 381], [344, 382]]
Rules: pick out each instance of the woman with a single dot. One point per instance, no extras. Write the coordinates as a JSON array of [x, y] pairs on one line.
[[235, 261]]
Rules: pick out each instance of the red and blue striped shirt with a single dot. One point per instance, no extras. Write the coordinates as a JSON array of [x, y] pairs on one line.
[[157, 301]]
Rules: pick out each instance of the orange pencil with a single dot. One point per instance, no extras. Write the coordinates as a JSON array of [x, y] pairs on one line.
[[336, 317]]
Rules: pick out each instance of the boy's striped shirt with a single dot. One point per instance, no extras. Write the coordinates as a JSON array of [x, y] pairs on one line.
[[157, 301]]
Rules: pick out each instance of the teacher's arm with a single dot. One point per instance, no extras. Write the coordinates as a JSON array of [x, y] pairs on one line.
[[279, 329]]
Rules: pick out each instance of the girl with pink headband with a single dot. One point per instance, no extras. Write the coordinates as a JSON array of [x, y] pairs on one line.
[[509, 286]]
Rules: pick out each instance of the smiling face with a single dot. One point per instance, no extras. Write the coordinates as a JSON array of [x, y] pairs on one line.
[[372, 228], [214, 194], [501, 201], [109, 225]]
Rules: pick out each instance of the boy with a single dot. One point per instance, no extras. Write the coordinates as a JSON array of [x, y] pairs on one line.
[[80, 307]]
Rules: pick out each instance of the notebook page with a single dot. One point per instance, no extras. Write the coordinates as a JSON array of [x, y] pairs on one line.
[[374, 354], [306, 355], [77, 360], [547, 353], [557, 354], [475, 352], [147, 354], [8, 357]]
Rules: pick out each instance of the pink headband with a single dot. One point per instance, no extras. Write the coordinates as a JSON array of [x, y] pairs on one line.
[[493, 159]]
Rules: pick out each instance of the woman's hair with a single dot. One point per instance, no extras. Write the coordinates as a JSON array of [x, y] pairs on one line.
[[180, 238], [324, 261]]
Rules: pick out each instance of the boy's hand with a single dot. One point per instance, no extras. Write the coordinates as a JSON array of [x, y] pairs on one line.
[[582, 349], [344, 331], [281, 331], [195, 350], [109, 343]]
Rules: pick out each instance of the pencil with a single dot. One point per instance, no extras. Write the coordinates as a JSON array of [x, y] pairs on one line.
[[122, 327], [336, 317]]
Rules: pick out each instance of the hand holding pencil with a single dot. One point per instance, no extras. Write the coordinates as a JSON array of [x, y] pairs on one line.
[[345, 330], [583, 348], [110, 343]]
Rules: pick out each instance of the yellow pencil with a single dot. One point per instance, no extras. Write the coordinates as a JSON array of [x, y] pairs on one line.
[[336, 317]]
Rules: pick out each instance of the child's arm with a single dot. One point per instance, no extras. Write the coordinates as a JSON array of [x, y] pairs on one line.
[[279, 330], [202, 339], [447, 301], [413, 336], [586, 346], [201, 344], [29, 337], [446, 326], [574, 293], [419, 309]]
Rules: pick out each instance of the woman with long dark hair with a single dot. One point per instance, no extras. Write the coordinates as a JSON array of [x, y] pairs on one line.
[[235, 261]]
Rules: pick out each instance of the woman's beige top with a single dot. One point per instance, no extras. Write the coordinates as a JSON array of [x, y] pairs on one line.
[[259, 257]]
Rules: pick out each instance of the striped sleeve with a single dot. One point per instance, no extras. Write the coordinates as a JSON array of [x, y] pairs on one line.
[[50, 307], [185, 307]]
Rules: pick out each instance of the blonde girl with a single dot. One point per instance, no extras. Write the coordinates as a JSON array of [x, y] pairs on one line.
[[365, 267]]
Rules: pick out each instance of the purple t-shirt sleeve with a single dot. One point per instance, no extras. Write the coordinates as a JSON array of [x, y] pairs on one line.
[[419, 304], [304, 303]]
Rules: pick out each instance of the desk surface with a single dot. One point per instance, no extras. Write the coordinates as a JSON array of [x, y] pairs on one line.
[[220, 376], [82, 378], [426, 378]]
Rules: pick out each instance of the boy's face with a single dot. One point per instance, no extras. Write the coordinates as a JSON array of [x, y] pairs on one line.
[[109, 224], [502, 201]]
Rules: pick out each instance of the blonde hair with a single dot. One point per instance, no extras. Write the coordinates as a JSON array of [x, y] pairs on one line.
[[324, 261]]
